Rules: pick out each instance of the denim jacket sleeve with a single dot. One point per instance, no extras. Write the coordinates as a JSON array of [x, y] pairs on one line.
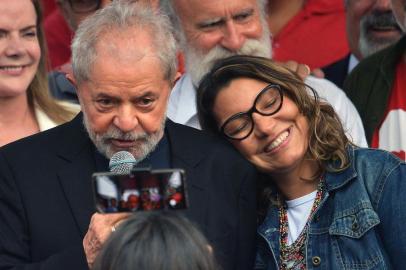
[[391, 207]]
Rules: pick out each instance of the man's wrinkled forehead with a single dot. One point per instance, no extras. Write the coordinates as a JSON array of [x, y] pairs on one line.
[[129, 46]]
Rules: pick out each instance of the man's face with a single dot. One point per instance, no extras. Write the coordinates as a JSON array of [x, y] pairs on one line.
[[75, 11], [371, 26], [215, 29], [124, 101], [227, 23], [399, 8]]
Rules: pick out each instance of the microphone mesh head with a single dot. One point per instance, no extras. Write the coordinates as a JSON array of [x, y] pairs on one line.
[[122, 162]]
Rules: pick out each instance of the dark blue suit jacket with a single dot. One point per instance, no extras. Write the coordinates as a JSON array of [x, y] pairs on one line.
[[46, 197], [337, 72]]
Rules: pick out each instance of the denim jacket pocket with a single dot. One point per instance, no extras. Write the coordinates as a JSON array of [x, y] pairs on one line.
[[354, 222], [354, 239]]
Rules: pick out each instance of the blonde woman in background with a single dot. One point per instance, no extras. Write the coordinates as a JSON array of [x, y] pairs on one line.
[[25, 104]]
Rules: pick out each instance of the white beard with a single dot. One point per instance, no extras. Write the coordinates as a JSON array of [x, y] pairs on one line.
[[145, 143], [368, 44]]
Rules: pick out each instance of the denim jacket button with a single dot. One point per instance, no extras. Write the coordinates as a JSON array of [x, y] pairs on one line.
[[316, 260], [355, 226]]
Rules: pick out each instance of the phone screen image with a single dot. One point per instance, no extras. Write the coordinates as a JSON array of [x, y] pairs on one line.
[[140, 191]]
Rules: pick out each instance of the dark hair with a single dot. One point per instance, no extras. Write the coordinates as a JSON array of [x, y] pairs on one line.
[[158, 241], [327, 139]]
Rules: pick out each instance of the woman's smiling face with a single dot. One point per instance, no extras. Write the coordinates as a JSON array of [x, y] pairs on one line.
[[278, 143], [19, 47]]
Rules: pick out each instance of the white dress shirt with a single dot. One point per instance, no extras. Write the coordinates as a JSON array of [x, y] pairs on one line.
[[352, 63]]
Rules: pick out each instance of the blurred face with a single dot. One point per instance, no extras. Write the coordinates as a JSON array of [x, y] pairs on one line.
[[216, 29], [124, 102], [371, 26], [399, 8], [278, 142], [19, 47], [75, 11], [132, 202]]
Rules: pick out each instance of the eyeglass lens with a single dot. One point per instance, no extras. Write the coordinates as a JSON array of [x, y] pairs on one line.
[[268, 102]]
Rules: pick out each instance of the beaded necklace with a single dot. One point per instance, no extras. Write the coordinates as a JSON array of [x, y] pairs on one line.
[[293, 257]]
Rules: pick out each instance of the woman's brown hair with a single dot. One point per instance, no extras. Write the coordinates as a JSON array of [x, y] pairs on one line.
[[327, 139]]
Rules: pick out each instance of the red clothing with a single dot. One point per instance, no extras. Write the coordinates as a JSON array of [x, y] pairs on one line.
[[48, 6], [316, 36], [58, 36], [391, 134]]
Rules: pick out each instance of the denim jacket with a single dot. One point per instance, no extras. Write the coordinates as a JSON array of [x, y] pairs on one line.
[[360, 222]]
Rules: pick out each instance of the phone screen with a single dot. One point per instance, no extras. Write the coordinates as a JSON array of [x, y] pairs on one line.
[[140, 191]]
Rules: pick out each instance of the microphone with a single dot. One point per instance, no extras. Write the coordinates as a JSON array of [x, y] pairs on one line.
[[122, 162]]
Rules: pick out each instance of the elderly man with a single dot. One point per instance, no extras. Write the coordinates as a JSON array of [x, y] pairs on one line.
[[74, 12], [124, 64], [377, 86], [213, 29], [371, 27]]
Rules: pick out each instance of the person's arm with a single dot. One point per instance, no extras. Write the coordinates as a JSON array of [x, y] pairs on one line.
[[15, 238], [391, 208]]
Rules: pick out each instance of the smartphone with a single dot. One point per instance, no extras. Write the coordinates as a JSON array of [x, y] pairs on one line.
[[141, 190]]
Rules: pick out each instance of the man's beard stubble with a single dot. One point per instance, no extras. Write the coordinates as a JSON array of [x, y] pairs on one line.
[[199, 63], [368, 44], [145, 143]]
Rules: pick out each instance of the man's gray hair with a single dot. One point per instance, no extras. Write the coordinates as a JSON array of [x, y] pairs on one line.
[[119, 16], [167, 7]]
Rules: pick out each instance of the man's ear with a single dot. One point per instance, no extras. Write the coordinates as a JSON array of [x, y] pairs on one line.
[[177, 77], [71, 79]]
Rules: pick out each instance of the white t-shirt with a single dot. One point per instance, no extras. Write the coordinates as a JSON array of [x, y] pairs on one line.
[[298, 213]]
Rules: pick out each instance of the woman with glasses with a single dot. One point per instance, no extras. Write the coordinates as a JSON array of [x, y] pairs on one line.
[[325, 203], [25, 104]]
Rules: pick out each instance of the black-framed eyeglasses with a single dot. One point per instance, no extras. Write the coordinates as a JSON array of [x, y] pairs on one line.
[[268, 102], [84, 6]]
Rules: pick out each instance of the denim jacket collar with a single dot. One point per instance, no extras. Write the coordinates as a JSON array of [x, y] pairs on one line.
[[269, 229], [339, 179]]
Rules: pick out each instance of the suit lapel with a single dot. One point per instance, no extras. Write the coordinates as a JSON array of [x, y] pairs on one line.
[[185, 154], [196, 193], [79, 164], [75, 174]]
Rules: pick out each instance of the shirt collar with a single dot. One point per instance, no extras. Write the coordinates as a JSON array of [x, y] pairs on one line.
[[352, 63], [182, 102], [44, 122]]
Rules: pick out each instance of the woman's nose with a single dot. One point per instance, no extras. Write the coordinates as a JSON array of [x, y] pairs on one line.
[[263, 125], [14, 46]]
